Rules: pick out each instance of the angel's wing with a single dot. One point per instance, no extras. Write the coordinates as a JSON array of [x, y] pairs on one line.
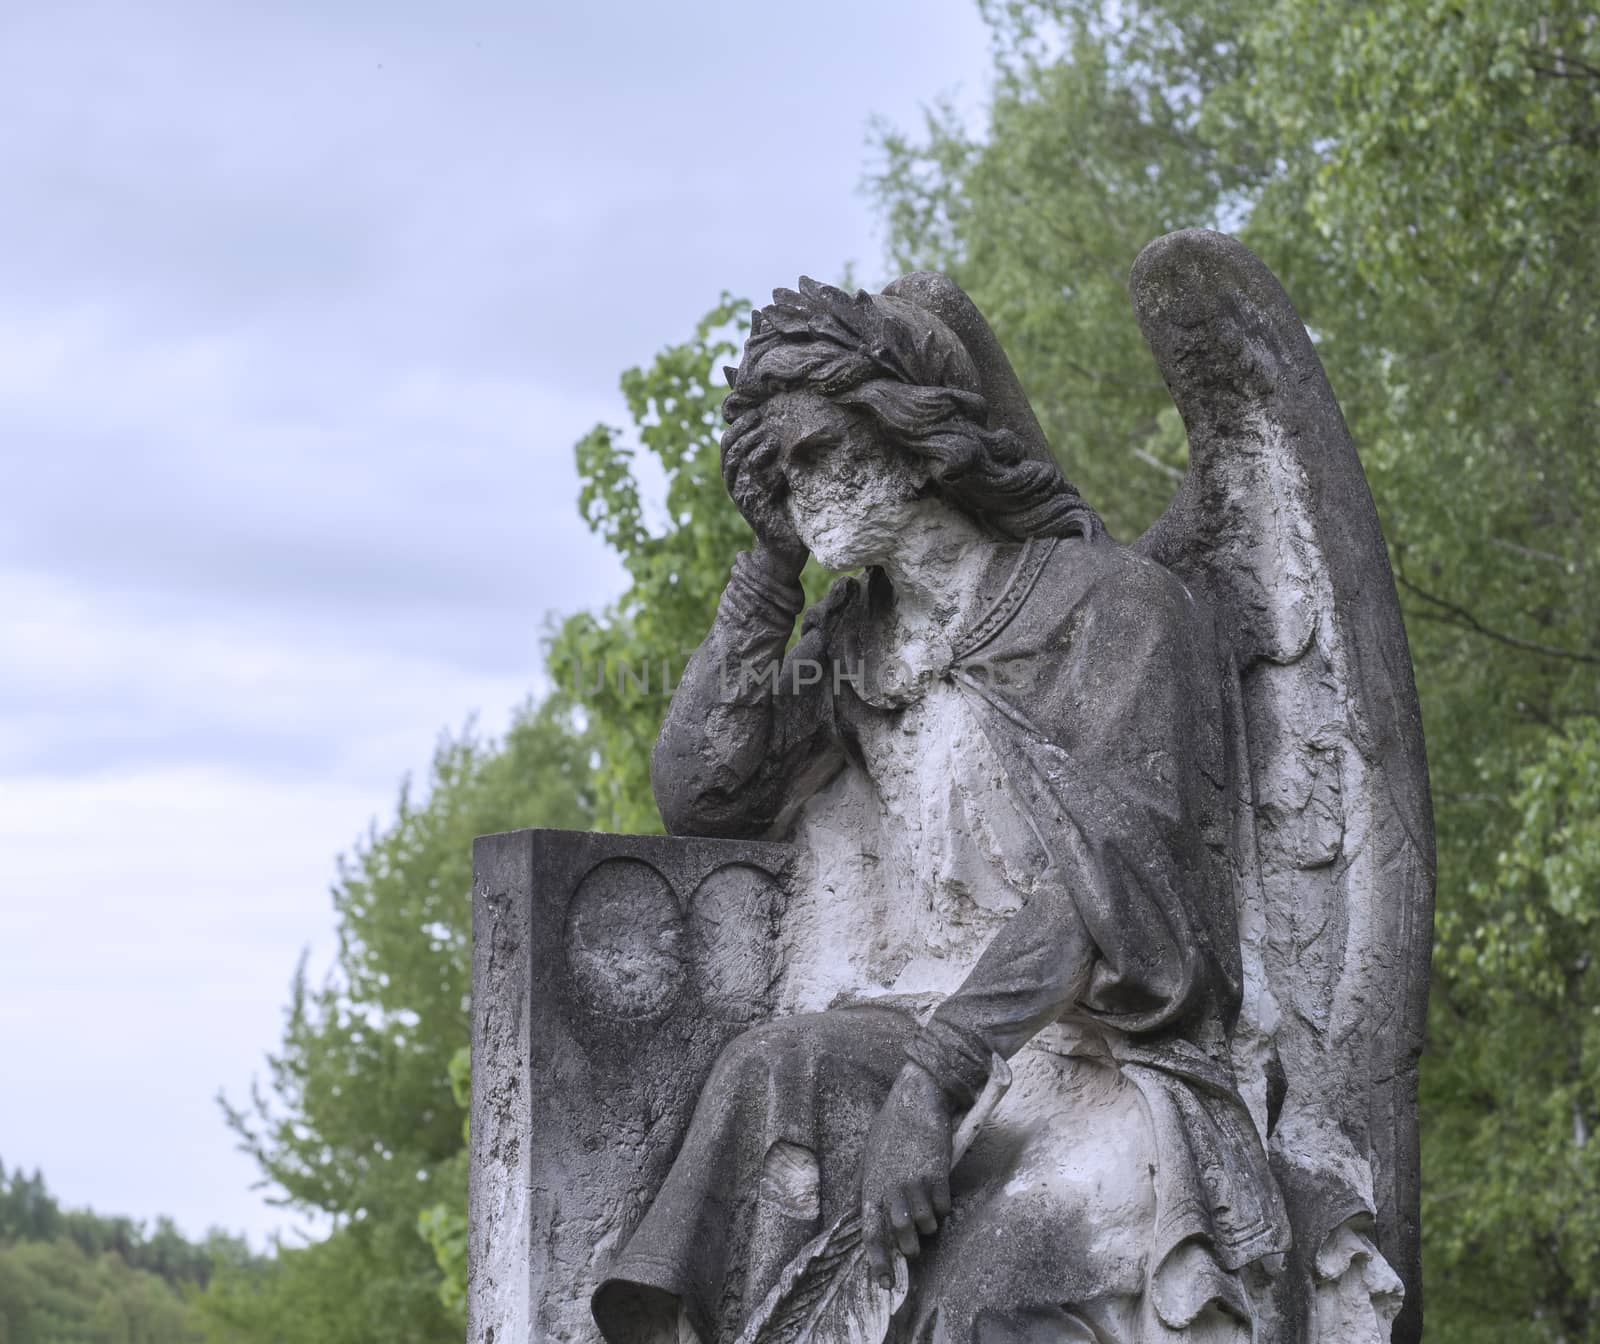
[[1274, 522]]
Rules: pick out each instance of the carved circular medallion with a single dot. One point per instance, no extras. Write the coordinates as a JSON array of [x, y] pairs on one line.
[[732, 924], [624, 941]]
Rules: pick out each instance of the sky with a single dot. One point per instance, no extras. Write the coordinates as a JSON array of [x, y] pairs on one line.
[[302, 308]]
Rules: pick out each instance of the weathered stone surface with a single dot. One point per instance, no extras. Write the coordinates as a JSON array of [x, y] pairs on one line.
[[608, 972], [1149, 822], [1275, 524]]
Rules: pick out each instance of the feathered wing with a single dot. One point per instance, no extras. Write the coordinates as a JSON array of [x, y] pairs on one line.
[[1334, 839]]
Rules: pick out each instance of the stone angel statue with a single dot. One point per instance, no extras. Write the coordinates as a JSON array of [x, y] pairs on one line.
[[1149, 823]]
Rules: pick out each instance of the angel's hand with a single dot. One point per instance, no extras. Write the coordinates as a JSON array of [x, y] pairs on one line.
[[778, 544], [780, 547], [748, 462], [905, 1171]]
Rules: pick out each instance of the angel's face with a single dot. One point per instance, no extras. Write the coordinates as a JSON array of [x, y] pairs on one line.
[[849, 493]]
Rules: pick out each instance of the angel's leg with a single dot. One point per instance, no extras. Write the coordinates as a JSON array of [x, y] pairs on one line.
[[772, 1152]]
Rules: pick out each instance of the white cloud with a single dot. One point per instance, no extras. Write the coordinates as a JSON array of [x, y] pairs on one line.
[[149, 923], [105, 682], [305, 308], [153, 897]]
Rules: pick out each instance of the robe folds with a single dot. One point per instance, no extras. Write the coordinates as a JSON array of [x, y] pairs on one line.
[[1096, 691]]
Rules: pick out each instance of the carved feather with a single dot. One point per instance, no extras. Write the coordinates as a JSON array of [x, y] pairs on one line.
[[1275, 527], [825, 1295]]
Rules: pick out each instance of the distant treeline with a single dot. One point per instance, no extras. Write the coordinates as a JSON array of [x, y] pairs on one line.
[[72, 1276], [29, 1212]]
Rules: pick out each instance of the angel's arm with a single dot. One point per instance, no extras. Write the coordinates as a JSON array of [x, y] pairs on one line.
[[1033, 970], [749, 732], [1113, 695], [1114, 797]]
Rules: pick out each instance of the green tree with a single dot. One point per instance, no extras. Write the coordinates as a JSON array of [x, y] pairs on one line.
[[75, 1275], [358, 1121], [339, 1288], [620, 664], [1442, 233], [53, 1292], [1424, 177], [1514, 1193], [28, 1211]]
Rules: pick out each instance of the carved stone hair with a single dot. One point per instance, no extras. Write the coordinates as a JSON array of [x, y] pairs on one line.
[[910, 375]]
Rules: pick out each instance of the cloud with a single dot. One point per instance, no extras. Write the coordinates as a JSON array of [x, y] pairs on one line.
[[305, 308], [90, 684], [408, 504], [149, 922]]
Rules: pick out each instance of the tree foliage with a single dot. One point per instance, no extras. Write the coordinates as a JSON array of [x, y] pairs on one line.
[[1513, 1204], [620, 664], [359, 1121], [1424, 176], [72, 1276], [54, 1292]]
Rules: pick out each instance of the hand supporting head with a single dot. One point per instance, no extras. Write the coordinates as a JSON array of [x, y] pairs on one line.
[[847, 409]]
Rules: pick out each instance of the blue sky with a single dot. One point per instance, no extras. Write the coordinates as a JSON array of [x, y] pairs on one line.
[[302, 307]]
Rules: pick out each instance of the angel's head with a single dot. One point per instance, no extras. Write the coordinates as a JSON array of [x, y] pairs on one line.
[[849, 413]]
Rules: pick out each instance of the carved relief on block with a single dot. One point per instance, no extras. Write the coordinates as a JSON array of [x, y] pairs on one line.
[[609, 971]]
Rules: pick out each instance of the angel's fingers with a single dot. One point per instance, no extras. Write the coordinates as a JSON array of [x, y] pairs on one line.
[[875, 1244], [905, 1235], [941, 1197], [758, 455], [921, 1208]]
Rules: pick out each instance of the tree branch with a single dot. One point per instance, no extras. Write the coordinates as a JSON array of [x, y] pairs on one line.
[[1561, 64], [1151, 460], [1528, 551], [1454, 613]]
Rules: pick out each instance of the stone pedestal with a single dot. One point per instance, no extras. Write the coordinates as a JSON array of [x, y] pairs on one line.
[[608, 972]]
